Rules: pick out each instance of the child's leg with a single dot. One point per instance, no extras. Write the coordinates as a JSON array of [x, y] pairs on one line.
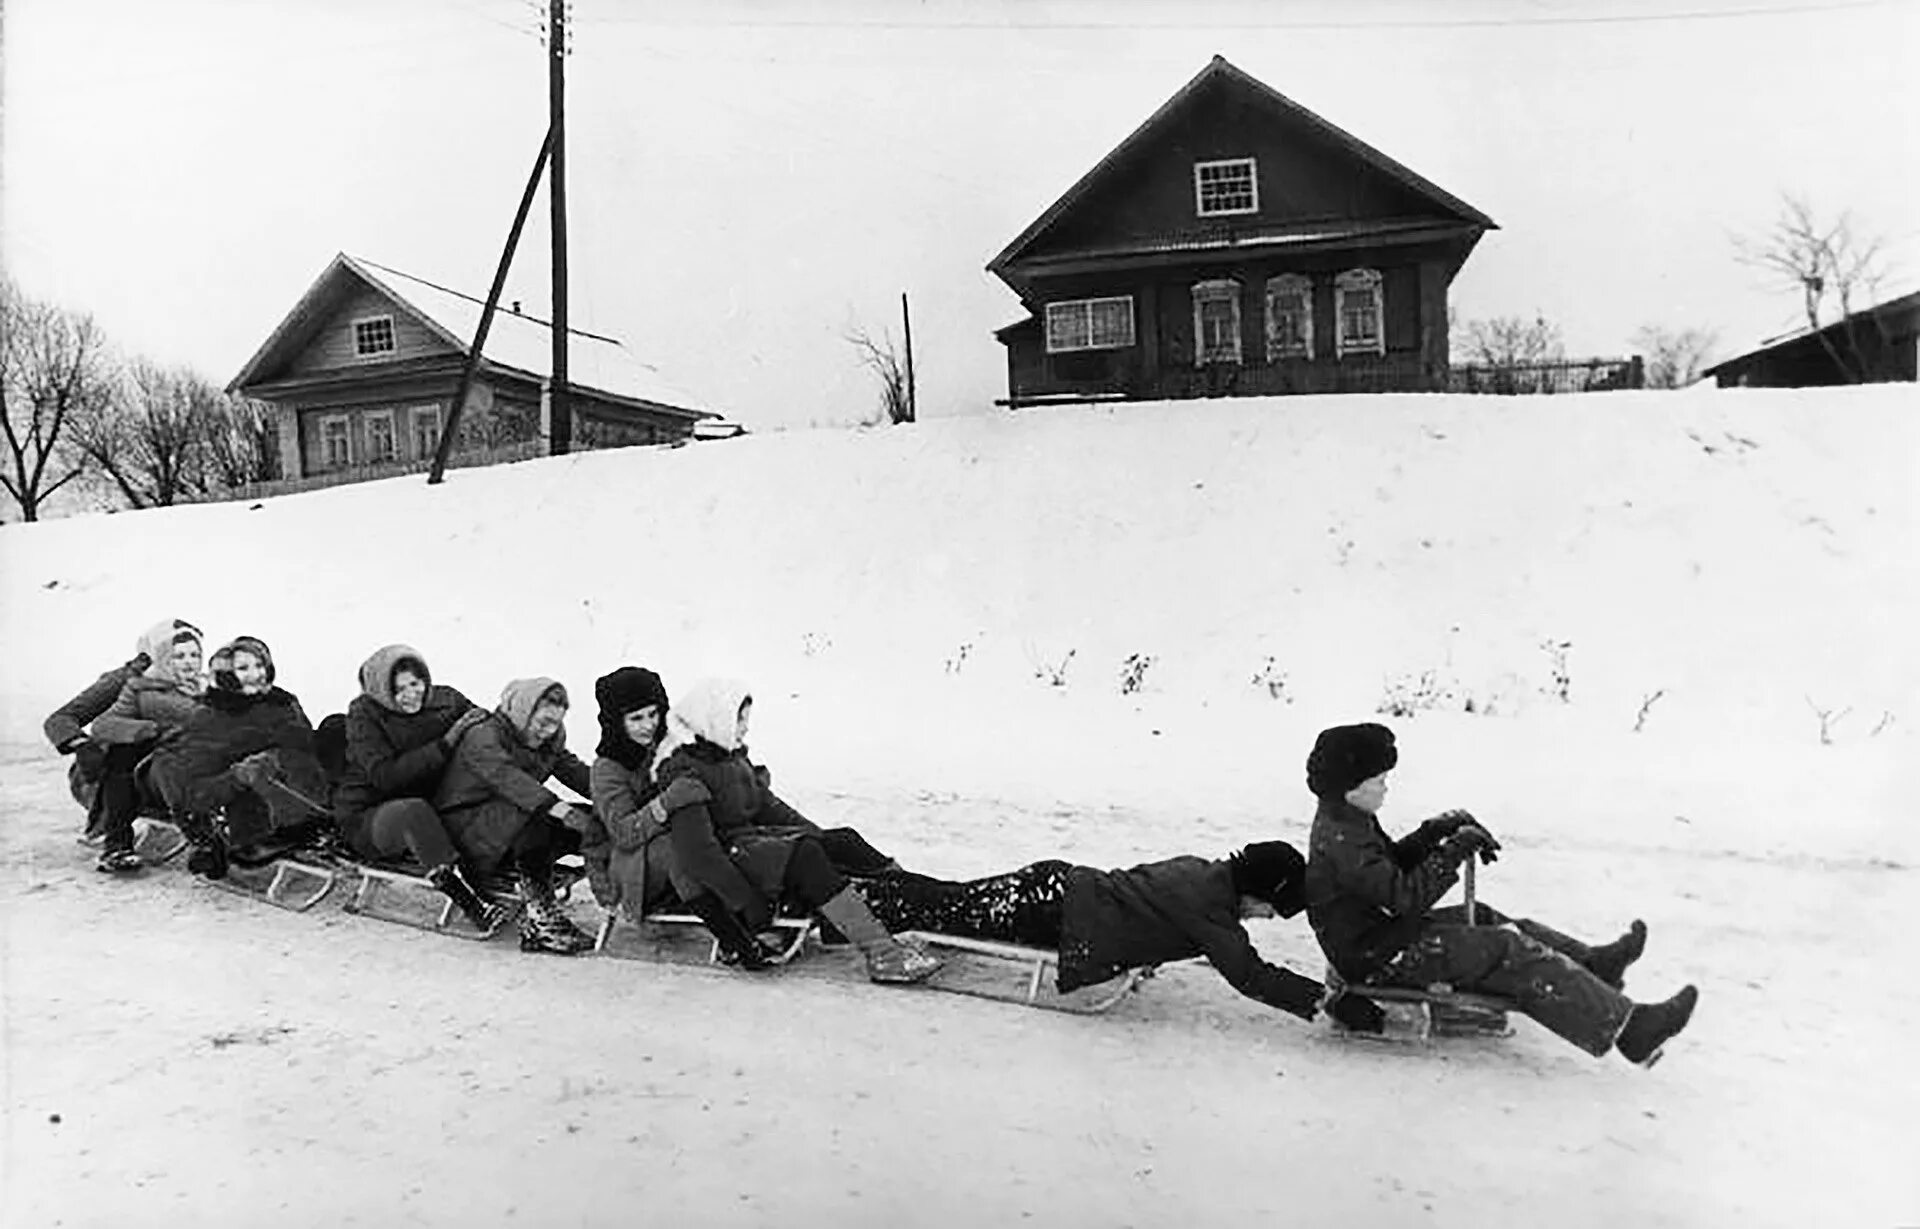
[[1543, 984], [1021, 906]]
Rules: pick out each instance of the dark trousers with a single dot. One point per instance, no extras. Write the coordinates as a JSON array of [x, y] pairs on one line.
[[404, 826], [852, 855], [120, 799], [1541, 971], [541, 840], [810, 879], [1022, 906]]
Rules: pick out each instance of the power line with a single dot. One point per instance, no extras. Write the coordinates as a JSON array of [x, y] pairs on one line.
[[1198, 25]]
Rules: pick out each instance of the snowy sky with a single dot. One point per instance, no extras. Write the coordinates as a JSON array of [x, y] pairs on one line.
[[747, 181]]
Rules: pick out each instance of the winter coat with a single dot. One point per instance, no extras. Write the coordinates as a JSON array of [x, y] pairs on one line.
[[636, 872], [389, 753], [148, 708], [1116, 920], [66, 727], [193, 769], [1367, 896], [495, 782]]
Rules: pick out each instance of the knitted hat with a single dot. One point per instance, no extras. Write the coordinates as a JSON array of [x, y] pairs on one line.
[[221, 663], [1346, 755], [1272, 871]]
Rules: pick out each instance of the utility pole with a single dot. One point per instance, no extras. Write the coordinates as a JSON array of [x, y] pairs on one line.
[[560, 419], [906, 327]]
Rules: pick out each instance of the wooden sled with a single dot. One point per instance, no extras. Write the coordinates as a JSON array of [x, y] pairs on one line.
[[1422, 1014], [1035, 963], [285, 882], [793, 931], [373, 897]]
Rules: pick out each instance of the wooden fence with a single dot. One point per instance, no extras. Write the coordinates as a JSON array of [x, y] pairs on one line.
[[1586, 375], [522, 451]]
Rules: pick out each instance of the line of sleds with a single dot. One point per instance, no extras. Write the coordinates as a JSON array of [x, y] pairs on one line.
[[298, 875]]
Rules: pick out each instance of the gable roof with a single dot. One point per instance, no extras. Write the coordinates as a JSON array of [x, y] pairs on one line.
[[516, 341], [1218, 69], [1907, 305]]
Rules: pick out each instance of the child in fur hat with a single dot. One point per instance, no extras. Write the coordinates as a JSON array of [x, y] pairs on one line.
[[1370, 900]]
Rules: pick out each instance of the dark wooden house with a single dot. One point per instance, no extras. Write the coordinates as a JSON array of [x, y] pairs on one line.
[[1235, 243], [365, 367], [1875, 345]]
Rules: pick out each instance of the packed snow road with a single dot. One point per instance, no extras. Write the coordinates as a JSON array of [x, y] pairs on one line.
[[179, 1055]]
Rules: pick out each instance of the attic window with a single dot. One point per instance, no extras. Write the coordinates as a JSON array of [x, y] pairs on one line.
[[1225, 187], [1090, 324], [373, 335]]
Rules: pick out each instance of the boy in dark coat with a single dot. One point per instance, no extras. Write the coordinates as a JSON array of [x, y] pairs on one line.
[[495, 803], [1370, 901], [1105, 922], [243, 755], [735, 849]]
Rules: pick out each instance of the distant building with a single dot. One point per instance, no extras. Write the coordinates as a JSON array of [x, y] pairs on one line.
[[1875, 345], [365, 367], [1235, 244]]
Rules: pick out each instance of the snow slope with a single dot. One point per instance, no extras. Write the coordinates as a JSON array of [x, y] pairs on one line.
[[1716, 567]]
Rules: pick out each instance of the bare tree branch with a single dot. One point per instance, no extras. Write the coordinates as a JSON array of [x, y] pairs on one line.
[[1828, 266], [53, 370], [886, 364], [1675, 357]]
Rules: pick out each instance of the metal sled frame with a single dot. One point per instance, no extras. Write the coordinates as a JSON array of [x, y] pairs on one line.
[[795, 930], [1445, 1012], [279, 891], [375, 879], [1037, 961]]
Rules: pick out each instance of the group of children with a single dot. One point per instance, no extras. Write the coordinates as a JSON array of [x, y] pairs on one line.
[[682, 819]]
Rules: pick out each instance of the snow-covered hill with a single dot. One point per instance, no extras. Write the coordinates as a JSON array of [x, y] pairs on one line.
[[1609, 625]]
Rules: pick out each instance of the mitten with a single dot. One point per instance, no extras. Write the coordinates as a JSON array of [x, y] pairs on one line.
[[461, 724], [1358, 1014]]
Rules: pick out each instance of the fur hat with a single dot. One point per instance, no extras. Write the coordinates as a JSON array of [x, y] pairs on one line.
[[1346, 755], [1272, 871], [221, 663], [626, 690]]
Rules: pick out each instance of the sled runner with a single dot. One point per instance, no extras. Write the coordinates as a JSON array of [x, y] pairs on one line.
[[793, 933], [295, 878], [986, 978]]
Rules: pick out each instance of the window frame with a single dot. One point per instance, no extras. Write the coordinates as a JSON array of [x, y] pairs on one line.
[[393, 439], [1346, 284], [1252, 166], [1283, 286], [372, 325], [327, 423], [415, 413], [1215, 290], [1087, 309]]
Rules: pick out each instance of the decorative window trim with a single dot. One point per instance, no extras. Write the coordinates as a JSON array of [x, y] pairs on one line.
[[1351, 282], [373, 336], [374, 454], [1217, 290], [1217, 170], [415, 416], [328, 423], [1299, 288], [1078, 324]]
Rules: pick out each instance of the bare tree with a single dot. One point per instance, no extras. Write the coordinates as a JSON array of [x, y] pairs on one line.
[[242, 442], [1507, 342], [1675, 357], [885, 362], [1829, 266], [148, 438], [53, 371]]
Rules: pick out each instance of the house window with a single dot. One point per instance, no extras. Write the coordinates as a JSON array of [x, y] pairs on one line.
[[1357, 312], [1227, 186], [336, 445], [1090, 324], [1216, 322], [380, 441], [373, 335], [426, 430], [1289, 317]]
